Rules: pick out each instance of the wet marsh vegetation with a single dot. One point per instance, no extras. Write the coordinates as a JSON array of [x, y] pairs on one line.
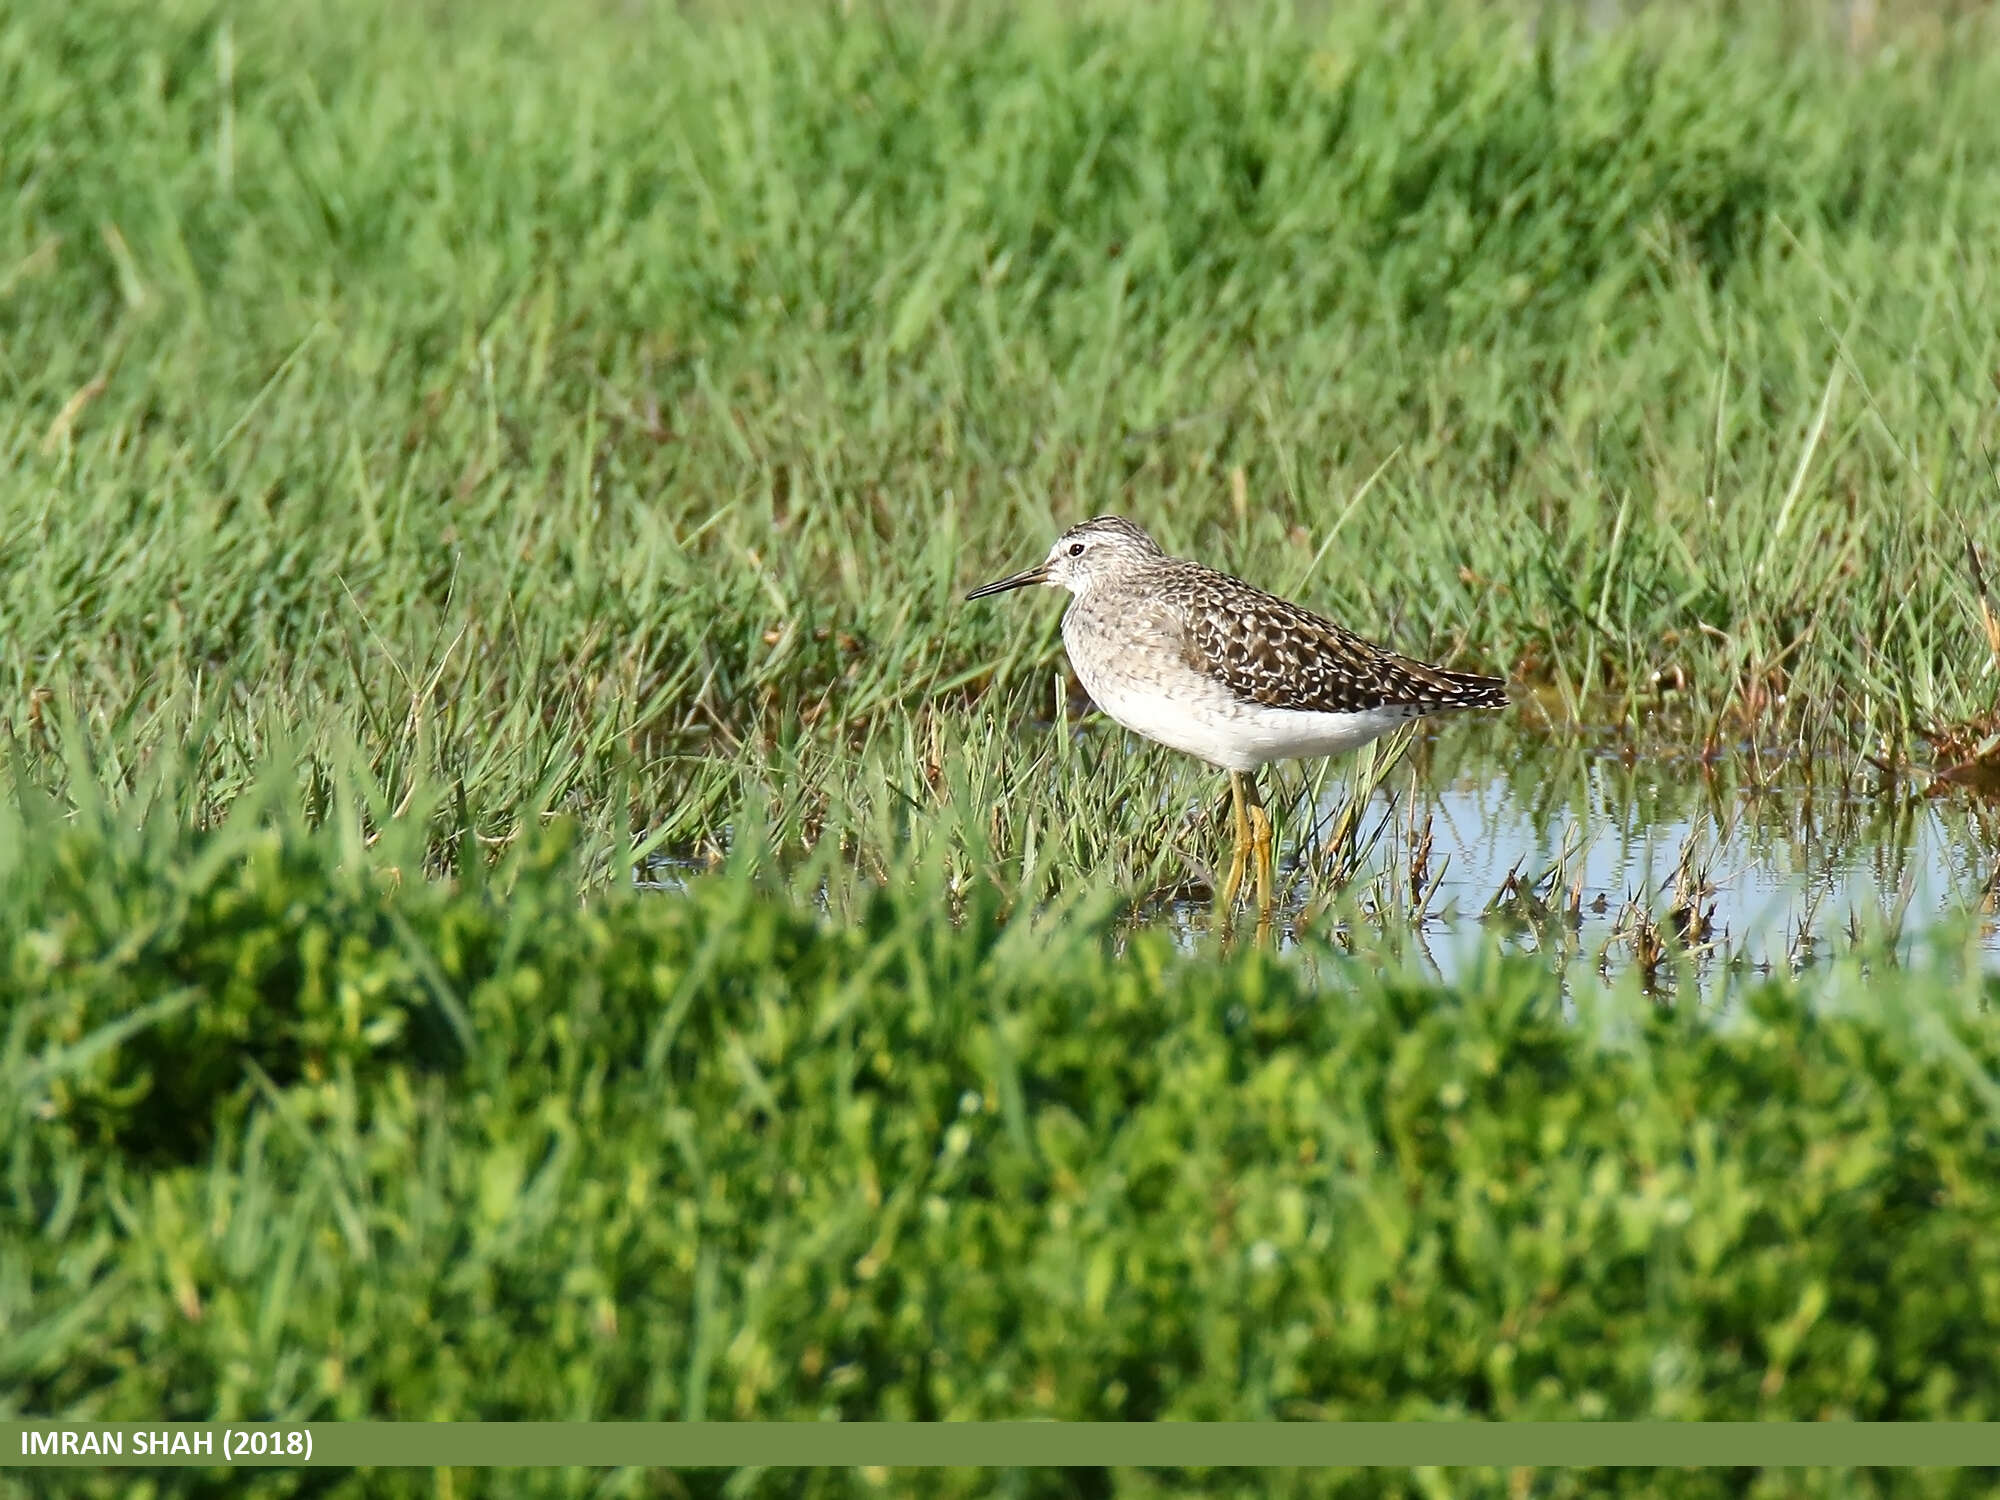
[[513, 841], [1604, 861]]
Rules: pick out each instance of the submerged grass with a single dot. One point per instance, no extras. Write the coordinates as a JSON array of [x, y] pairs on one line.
[[606, 406]]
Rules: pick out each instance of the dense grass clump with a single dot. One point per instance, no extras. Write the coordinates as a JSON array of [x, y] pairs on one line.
[[309, 1138], [587, 398]]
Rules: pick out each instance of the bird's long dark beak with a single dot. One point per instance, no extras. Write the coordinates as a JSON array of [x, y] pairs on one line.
[[1037, 574]]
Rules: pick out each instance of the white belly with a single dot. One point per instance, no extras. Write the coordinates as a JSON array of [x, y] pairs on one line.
[[1185, 711]]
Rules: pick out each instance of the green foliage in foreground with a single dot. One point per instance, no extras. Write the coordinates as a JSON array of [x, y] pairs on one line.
[[296, 1132], [528, 393]]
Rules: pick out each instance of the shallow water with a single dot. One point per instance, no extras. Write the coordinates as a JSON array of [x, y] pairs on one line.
[[1755, 861], [1600, 857]]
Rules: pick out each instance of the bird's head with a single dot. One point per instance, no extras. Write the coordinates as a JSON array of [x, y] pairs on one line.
[[1083, 557]]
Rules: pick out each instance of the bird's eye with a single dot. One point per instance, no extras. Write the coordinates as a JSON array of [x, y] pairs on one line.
[[1076, 549]]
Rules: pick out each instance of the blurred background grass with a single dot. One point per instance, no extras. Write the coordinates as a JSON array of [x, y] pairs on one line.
[[537, 397]]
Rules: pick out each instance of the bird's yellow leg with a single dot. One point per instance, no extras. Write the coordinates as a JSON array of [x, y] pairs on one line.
[[1263, 845], [1240, 849]]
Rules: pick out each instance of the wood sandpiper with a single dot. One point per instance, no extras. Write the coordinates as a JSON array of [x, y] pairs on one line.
[[1203, 663]]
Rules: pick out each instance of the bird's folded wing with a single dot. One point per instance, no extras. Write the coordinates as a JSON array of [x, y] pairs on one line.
[[1266, 650]]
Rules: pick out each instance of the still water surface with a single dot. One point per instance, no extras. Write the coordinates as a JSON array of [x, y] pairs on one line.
[[1772, 863]]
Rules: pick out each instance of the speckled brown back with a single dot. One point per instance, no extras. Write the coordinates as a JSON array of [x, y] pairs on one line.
[[1269, 651]]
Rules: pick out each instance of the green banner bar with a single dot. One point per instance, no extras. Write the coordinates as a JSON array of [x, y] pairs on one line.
[[1002, 1444]]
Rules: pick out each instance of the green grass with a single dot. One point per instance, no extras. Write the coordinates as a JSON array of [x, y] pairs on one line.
[[310, 1139], [450, 453], [616, 403]]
